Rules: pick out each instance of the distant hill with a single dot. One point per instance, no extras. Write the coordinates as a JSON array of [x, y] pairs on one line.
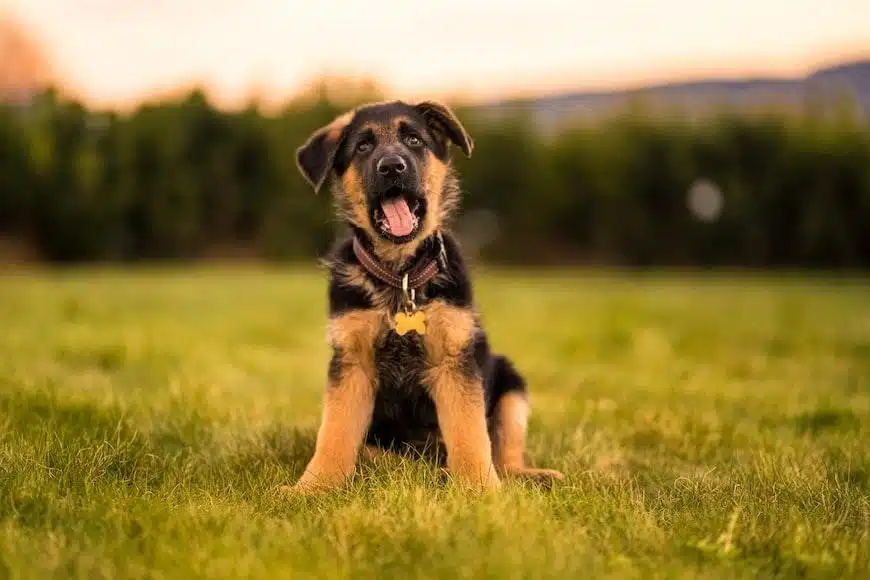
[[823, 89]]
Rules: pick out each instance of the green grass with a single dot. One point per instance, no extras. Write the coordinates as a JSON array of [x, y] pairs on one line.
[[709, 428]]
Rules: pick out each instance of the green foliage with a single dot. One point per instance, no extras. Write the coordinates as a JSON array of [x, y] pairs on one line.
[[708, 428], [182, 180]]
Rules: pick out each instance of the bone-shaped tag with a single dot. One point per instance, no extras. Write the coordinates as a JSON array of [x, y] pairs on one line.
[[406, 323]]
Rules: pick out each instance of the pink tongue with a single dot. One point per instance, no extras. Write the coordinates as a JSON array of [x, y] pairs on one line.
[[399, 216]]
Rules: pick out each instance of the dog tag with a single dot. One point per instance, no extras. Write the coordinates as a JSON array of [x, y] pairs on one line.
[[405, 323]]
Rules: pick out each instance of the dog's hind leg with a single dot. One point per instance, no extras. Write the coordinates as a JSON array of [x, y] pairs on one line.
[[510, 425]]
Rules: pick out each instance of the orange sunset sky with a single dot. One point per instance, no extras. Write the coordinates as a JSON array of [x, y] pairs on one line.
[[115, 52]]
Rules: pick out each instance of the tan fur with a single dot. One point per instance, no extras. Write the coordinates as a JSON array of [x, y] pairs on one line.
[[459, 405], [458, 398], [433, 184], [354, 276], [386, 132], [509, 444], [352, 205], [374, 453], [450, 329], [347, 410], [511, 414], [458, 394], [434, 177], [381, 131], [398, 120], [395, 255], [335, 128], [348, 402], [386, 298], [352, 199], [355, 334]]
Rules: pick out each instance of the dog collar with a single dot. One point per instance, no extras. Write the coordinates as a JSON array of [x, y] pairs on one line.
[[414, 278]]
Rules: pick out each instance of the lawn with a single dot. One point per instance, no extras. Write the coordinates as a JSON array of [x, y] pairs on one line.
[[709, 427]]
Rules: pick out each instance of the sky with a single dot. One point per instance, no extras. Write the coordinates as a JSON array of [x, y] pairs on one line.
[[116, 52]]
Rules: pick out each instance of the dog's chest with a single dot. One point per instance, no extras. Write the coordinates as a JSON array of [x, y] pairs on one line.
[[402, 401], [400, 361]]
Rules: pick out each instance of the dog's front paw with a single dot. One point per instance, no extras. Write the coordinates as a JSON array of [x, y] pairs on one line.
[[493, 481], [477, 479], [305, 490], [312, 483], [301, 490]]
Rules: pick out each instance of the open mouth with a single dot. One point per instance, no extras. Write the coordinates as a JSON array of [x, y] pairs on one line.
[[398, 215]]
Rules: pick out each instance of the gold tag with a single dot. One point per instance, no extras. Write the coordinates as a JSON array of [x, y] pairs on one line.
[[408, 322]]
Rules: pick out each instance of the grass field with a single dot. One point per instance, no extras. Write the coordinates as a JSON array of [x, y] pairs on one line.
[[708, 427]]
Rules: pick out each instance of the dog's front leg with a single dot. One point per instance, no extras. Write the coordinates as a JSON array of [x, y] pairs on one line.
[[347, 404], [456, 387], [459, 404], [347, 410]]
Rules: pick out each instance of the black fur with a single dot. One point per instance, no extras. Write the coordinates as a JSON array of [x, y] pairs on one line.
[[404, 416], [444, 124], [316, 158], [334, 371]]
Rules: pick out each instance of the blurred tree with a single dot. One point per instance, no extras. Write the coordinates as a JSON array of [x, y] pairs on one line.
[[181, 179]]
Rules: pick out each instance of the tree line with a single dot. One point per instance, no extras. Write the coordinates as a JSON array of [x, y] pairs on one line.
[[183, 180]]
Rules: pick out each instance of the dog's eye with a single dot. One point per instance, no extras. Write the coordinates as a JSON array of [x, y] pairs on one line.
[[413, 141], [364, 146]]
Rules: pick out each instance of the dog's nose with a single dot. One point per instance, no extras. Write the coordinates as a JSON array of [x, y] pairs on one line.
[[391, 165]]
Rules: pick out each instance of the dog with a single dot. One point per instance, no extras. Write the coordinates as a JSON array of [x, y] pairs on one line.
[[411, 367]]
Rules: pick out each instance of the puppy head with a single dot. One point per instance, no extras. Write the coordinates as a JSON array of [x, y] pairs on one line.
[[389, 166]]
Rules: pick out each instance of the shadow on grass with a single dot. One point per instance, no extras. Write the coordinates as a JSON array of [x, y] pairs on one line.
[[815, 423], [820, 420]]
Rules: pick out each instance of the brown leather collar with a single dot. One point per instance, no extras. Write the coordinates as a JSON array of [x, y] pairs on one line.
[[417, 276]]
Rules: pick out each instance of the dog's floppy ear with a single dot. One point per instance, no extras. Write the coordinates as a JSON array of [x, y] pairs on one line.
[[444, 124], [316, 157]]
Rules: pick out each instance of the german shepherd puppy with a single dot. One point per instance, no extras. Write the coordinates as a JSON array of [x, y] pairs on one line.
[[411, 368]]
